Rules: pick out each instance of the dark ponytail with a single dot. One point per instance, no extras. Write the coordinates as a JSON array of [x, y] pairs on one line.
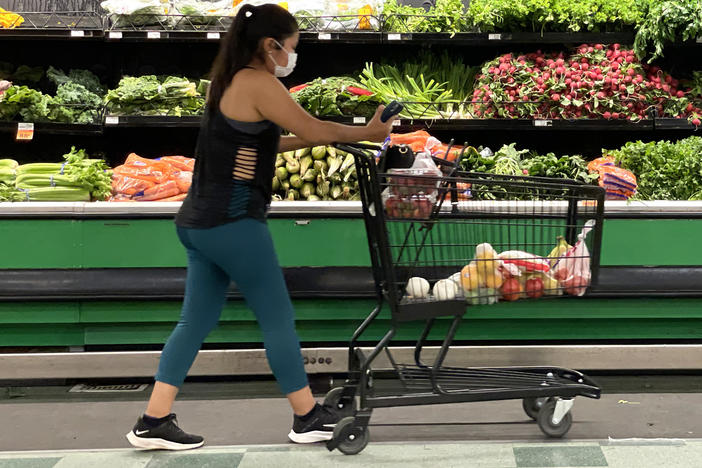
[[242, 41]]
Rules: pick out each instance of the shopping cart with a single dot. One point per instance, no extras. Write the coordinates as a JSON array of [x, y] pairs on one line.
[[430, 227]]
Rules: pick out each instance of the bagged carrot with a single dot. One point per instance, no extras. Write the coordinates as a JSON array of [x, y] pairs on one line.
[[176, 198], [180, 163], [157, 192], [122, 184], [184, 179]]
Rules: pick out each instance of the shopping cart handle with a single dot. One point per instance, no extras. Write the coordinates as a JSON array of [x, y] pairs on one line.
[[391, 110]]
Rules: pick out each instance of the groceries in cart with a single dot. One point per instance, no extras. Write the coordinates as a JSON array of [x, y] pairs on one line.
[[411, 192], [512, 275]]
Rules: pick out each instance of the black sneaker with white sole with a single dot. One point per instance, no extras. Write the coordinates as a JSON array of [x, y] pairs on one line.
[[318, 427], [167, 436]]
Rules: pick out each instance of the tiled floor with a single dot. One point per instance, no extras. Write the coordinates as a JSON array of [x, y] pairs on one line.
[[664, 453]]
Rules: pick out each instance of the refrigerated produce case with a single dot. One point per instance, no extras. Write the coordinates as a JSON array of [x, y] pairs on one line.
[[110, 276]]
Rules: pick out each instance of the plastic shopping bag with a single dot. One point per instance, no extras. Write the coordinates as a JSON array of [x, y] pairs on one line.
[[573, 268]]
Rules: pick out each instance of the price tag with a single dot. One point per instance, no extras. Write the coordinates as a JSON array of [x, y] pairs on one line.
[[396, 123], [543, 123], [25, 131], [114, 35], [394, 37], [77, 33], [494, 37], [153, 35], [699, 40], [213, 35], [324, 36], [359, 120], [111, 120]]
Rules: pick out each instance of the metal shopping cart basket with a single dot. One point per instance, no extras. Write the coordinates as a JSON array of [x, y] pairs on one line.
[[477, 238]]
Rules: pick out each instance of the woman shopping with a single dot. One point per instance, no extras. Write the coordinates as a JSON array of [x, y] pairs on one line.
[[222, 223]]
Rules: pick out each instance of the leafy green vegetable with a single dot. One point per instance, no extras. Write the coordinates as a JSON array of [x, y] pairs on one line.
[[26, 74], [152, 95], [330, 97], [444, 16], [668, 21], [665, 170], [84, 78]]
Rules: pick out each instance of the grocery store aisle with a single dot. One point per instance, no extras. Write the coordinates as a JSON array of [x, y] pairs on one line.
[[49, 426], [671, 454]]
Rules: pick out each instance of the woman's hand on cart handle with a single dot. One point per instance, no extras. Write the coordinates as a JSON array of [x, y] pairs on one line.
[[378, 130]]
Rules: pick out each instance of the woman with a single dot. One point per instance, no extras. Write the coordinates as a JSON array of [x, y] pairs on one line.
[[222, 222]]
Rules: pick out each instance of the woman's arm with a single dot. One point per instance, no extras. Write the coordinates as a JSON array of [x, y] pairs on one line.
[[292, 143], [274, 103]]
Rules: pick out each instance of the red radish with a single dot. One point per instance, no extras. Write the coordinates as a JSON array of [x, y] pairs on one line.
[[680, 94], [599, 46], [696, 122], [615, 115], [607, 115], [556, 97]]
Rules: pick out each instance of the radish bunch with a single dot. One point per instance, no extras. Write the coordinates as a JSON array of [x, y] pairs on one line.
[[594, 81]]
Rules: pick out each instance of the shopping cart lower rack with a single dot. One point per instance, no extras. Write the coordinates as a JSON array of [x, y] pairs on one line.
[[479, 238]]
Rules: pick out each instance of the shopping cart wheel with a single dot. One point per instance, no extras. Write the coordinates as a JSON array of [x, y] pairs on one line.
[[341, 403], [351, 439], [532, 406], [546, 422]]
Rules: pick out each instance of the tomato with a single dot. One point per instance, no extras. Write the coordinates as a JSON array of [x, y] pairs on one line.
[[534, 287], [511, 289]]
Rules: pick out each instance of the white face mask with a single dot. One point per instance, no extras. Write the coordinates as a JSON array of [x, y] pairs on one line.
[[282, 72]]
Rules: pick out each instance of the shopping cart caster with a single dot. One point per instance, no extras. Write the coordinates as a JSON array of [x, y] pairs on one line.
[[348, 437], [342, 400], [554, 417], [532, 406]]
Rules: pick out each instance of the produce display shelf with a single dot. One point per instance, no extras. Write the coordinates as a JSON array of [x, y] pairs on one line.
[[343, 37], [164, 36], [298, 209], [527, 124], [152, 121], [507, 38], [54, 128], [673, 124], [56, 25]]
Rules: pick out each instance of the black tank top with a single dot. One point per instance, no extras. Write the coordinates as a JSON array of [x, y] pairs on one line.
[[234, 167]]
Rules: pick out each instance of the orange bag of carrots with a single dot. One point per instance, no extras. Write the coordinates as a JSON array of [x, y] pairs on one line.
[[181, 163], [183, 180], [126, 185], [420, 136], [157, 192], [150, 170]]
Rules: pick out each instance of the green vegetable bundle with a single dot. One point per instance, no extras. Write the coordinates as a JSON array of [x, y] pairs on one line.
[[336, 96], [668, 21], [152, 95], [313, 174], [433, 86], [76, 179], [443, 16]]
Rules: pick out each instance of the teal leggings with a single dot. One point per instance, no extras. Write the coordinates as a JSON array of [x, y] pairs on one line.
[[241, 251]]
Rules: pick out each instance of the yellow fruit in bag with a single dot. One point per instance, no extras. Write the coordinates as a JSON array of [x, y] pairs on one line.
[[469, 277]]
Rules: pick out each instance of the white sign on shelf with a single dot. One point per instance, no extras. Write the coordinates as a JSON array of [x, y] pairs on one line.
[[114, 35], [213, 35], [25, 131], [543, 123], [112, 120], [359, 120], [77, 33], [494, 37], [324, 36], [396, 123], [394, 37], [153, 35]]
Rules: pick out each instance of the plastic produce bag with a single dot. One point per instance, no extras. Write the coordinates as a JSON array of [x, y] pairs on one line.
[[573, 268], [203, 12], [136, 12], [150, 170]]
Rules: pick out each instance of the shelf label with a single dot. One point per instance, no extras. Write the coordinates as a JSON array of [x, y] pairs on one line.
[[112, 120], [25, 131], [543, 123], [394, 37], [359, 120], [396, 123], [153, 35], [213, 35], [324, 36], [114, 35], [494, 37], [77, 33], [699, 40]]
